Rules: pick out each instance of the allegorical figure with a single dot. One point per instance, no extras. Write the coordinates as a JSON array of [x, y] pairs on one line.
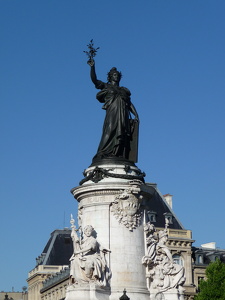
[[164, 275], [119, 135], [88, 263]]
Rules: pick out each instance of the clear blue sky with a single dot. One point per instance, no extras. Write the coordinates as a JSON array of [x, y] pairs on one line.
[[172, 56]]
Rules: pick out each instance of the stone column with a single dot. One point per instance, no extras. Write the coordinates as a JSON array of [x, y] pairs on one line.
[[114, 207]]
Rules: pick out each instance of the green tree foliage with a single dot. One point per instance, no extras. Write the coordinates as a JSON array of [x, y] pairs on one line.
[[213, 288]]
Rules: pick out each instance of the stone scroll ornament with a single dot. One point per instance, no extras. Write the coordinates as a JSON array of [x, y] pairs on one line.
[[88, 262], [126, 206], [165, 278]]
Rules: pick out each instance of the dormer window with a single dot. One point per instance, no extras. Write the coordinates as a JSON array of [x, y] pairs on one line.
[[151, 216], [199, 259], [169, 217]]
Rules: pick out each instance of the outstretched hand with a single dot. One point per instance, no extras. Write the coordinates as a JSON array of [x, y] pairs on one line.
[[91, 62]]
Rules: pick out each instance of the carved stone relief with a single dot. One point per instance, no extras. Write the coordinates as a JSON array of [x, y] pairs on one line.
[[126, 206], [88, 262], [164, 277]]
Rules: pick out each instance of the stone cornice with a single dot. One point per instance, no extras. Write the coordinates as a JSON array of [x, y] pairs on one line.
[[97, 189], [179, 243]]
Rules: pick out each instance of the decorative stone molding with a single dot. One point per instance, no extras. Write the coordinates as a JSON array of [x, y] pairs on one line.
[[100, 189], [178, 243], [98, 193], [97, 200], [126, 206]]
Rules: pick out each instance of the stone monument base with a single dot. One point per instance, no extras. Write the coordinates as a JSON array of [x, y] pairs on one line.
[[172, 294], [93, 292], [86, 291], [132, 293]]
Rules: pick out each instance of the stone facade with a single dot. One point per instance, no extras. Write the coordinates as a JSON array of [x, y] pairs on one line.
[[55, 286], [202, 256], [36, 278], [180, 245]]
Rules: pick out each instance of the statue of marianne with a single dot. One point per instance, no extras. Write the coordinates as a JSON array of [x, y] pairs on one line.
[[120, 132]]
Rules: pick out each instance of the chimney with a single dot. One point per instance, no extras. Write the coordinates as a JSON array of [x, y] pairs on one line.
[[169, 200]]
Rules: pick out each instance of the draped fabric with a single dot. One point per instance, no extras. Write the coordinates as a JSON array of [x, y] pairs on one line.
[[116, 133], [90, 265]]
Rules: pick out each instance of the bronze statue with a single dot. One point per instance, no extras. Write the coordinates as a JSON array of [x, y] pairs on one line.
[[120, 132]]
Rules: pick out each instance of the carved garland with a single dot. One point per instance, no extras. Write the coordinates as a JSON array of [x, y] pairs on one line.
[[99, 173]]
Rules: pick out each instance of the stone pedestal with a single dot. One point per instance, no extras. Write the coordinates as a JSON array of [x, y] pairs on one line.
[[85, 292], [172, 294], [113, 205]]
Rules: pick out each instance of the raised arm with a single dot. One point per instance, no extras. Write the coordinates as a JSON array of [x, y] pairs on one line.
[[94, 79]]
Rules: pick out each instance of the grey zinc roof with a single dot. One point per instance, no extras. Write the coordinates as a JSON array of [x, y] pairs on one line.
[[158, 204], [58, 249]]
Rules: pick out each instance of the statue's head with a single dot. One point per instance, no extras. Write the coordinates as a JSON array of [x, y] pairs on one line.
[[114, 75], [88, 229]]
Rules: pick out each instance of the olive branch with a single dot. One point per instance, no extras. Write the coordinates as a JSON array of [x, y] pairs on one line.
[[92, 51]]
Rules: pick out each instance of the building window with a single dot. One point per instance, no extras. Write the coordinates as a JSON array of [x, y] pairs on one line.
[[200, 279], [151, 216], [199, 259], [177, 259], [169, 217]]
